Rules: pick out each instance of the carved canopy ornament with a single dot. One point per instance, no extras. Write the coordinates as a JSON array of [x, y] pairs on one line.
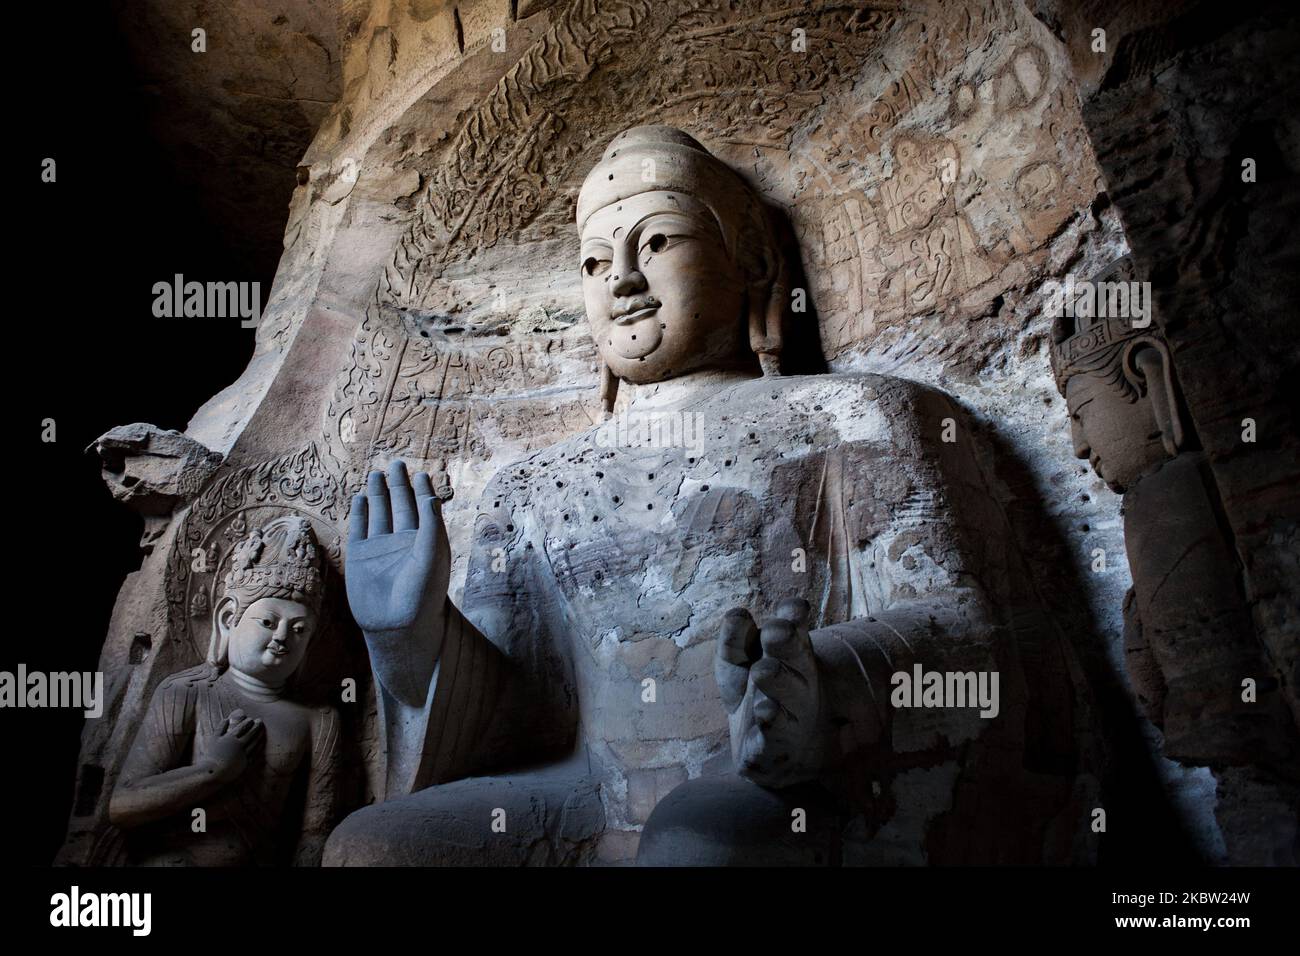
[[222, 544]]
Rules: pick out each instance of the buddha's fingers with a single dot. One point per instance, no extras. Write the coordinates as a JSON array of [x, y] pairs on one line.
[[788, 643], [401, 498], [357, 519], [422, 484], [787, 665], [381, 516], [429, 506], [738, 641], [738, 648]]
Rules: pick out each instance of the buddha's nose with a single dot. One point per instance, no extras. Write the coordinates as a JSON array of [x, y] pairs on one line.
[[626, 278], [1081, 447], [627, 282]]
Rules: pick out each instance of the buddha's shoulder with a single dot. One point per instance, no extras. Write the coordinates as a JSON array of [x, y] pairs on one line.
[[859, 405], [868, 386]]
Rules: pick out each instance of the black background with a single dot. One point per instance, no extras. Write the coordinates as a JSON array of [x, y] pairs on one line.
[[87, 351]]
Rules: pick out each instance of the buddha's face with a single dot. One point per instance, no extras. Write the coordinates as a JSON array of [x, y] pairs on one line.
[[1121, 439], [270, 638], [663, 296]]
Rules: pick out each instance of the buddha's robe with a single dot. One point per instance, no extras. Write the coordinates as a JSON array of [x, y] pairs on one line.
[[602, 568]]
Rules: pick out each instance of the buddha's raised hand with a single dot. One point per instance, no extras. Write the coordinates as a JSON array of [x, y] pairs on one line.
[[769, 683], [398, 564]]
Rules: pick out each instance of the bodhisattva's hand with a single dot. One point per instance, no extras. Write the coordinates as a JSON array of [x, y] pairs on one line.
[[770, 687], [398, 558], [236, 742]]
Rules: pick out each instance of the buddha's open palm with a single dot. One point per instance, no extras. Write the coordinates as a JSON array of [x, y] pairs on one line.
[[398, 557]]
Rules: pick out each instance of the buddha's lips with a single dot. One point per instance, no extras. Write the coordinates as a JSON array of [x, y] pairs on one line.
[[637, 316], [634, 310]]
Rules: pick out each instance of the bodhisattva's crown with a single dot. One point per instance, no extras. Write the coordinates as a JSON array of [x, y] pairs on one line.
[[1094, 347], [1102, 345], [280, 559]]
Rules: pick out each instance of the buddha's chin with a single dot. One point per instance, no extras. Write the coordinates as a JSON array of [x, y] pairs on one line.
[[636, 341], [645, 371]]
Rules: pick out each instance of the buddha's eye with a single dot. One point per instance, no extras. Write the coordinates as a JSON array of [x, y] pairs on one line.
[[267, 623], [595, 267], [658, 242], [300, 628]]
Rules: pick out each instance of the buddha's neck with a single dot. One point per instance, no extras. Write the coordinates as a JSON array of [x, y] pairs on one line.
[[681, 389], [253, 687]]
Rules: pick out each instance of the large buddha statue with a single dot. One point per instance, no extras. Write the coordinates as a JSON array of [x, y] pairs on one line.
[[750, 618]]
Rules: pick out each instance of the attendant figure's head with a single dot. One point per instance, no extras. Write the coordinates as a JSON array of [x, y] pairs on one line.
[[1118, 383], [680, 268], [264, 623]]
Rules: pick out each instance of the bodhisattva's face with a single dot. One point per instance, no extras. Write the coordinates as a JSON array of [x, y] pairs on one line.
[[663, 296], [1121, 439], [270, 639]]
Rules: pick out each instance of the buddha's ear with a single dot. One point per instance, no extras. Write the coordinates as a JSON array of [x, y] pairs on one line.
[[608, 389], [1151, 360], [224, 618], [767, 301]]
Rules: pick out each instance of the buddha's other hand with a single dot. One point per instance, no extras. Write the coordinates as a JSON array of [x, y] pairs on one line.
[[235, 744], [398, 557], [769, 684]]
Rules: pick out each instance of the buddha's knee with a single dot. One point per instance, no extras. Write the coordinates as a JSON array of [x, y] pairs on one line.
[[729, 821], [483, 821]]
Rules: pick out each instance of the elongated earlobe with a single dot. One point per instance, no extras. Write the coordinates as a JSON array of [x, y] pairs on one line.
[[1157, 372], [767, 319], [608, 389], [223, 621]]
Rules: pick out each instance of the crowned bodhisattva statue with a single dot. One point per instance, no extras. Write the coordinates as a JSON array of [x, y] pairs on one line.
[[1202, 675], [714, 651], [227, 768]]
